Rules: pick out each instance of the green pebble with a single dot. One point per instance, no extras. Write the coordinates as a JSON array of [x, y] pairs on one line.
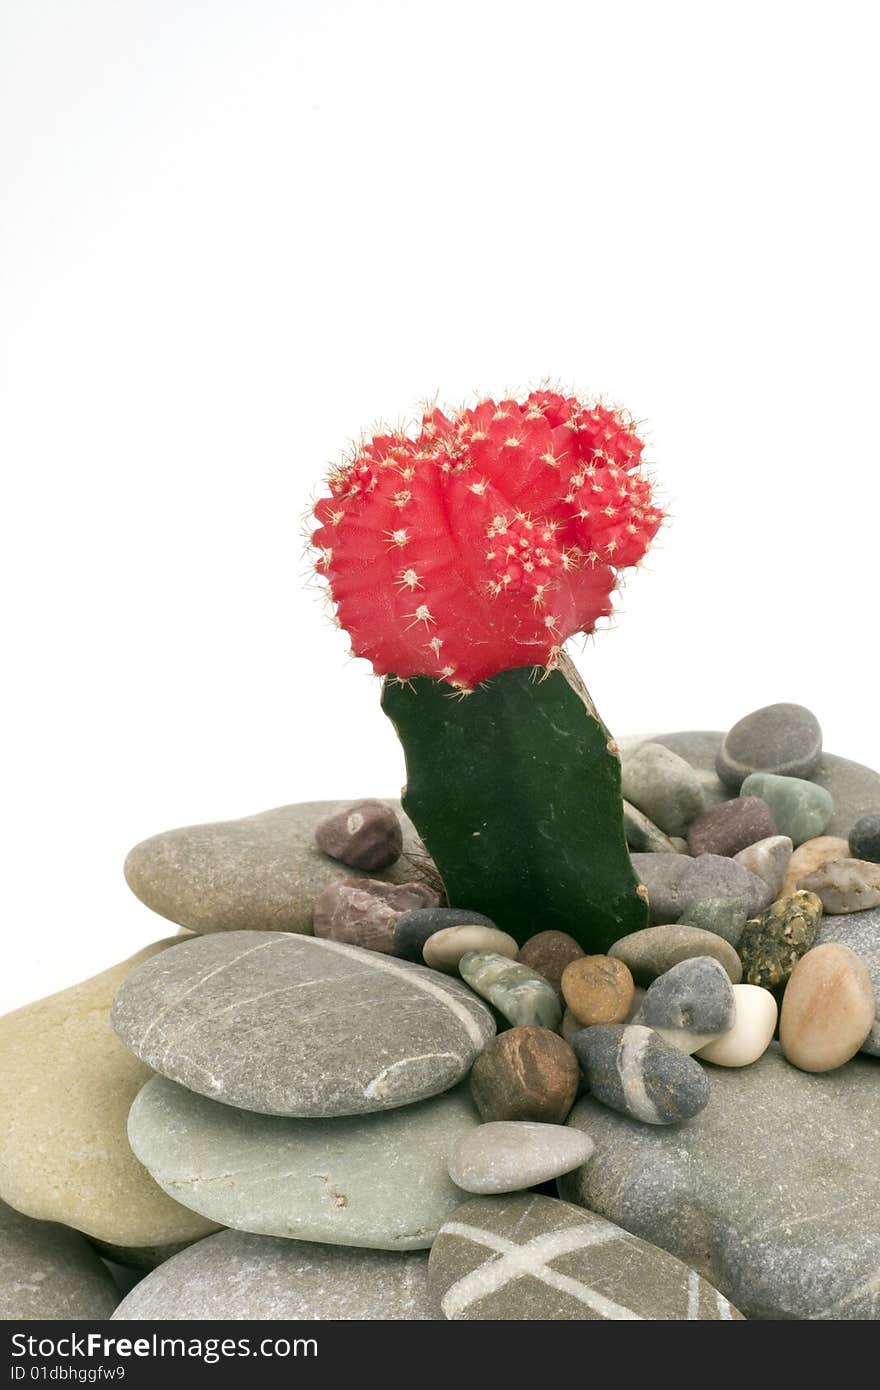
[[642, 835], [520, 994], [802, 810], [726, 917]]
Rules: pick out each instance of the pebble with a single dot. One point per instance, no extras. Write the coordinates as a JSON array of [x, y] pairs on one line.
[[809, 856], [845, 885], [632, 1069], [801, 810], [366, 835], [525, 1074], [511, 1155], [642, 834], [598, 989], [275, 1022], [236, 1276], [783, 739], [533, 1258], [261, 873], [662, 875], [445, 948], [365, 911], [725, 917], [663, 786], [654, 950], [521, 995], [48, 1272], [548, 953], [366, 1180], [413, 928], [772, 944], [768, 859], [861, 932], [752, 1032], [828, 1009], [679, 844], [864, 838], [774, 1190], [66, 1084], [690, 1005], [731, 826], [715, 876]]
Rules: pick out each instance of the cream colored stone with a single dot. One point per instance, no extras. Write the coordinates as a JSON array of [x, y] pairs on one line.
[[751, 1035], [66, 1086], [845, 885], [808, 857], [445, 948], [827, 1009]]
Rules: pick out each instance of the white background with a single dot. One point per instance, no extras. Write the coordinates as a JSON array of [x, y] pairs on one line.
[[234, 234]]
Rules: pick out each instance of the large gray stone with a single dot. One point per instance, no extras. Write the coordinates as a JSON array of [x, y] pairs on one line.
[[290, 1025], [860, 931], [235, 1276], [48, 1272], [771, 1193], [368, 1180], [261, 873]]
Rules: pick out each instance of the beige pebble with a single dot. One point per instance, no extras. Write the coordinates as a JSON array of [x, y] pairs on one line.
[[827, 1009], [598, 989], [751, 1035], [845, 885], [445, 948], [809, 856]]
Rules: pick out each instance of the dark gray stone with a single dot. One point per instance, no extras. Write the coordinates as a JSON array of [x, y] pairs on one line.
[[690, 1004], [235, 1276], [864, 838], [771, 1193], [784, 739], [366, 835], [632, 1069], [365, 911], [413, 928], [860, 931], [277, 1023], [731, 826], [49, 1272]]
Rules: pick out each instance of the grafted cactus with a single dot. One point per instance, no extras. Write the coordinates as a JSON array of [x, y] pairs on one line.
[[478, 545]]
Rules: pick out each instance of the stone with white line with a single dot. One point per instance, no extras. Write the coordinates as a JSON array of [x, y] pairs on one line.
[[533, 1258], [632, 1069], [288, 1025]]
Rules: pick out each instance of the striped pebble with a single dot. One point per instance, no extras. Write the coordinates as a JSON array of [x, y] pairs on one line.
[[632, 1069], [530, 1258]]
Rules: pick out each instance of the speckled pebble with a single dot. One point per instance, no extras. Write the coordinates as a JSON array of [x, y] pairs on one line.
[[845, 885], [510, 1155], [768, 859], [445, 948], [525, 1074], [772, 944], [781, 738], [801, 810], [630, 1068], [864, 838], [49, 1272], [598, 989], [366, 835], [650, 952], [727, 828], [690, 1005], [521, 995]]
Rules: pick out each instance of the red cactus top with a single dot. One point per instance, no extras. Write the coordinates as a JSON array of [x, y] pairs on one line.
[[488, 539]]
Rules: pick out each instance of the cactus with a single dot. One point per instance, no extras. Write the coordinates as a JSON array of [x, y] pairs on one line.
[[459, 560], [516, 793]]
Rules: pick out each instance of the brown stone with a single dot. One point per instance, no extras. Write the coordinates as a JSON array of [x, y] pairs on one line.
[[366, 835], [526, 1073], [809, 856], [365, 911], [828, 1008], [598, 989], [548, 954]]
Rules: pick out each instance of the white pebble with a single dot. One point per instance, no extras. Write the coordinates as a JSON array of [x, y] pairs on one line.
[[445, 948], [751, 1035]]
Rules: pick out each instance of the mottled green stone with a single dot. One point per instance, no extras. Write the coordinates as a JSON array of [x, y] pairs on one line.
[[642, 835], [801, 810], [772, 944], [520, 994], [726, 917]]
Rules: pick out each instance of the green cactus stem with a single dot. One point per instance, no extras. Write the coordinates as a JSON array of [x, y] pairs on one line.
[[515, 790]]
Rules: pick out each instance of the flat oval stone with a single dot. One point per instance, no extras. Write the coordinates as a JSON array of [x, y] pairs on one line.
[[845, 885], [801, 810], [663, 786], [274, 1022], [784, 739], [236, 1276], [445, 948], [860, 931], [772, 944], [532, 1258], [768, 859], [366, 835], [525, 1074], [650, 952], [521, 995], [48, 1272], [510, 1155], [864, 838], [642, 835], [809, 856], [377, 1180], [66, 1085], [548, 953], [690, 1004], [598, 989], [724, 917], [776, 1185], [827, 1010], [662, 875], [730, 826], [262, 873], [364, 911], [413, 929], [716, 876], [751, 1034], [632, 1069]]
